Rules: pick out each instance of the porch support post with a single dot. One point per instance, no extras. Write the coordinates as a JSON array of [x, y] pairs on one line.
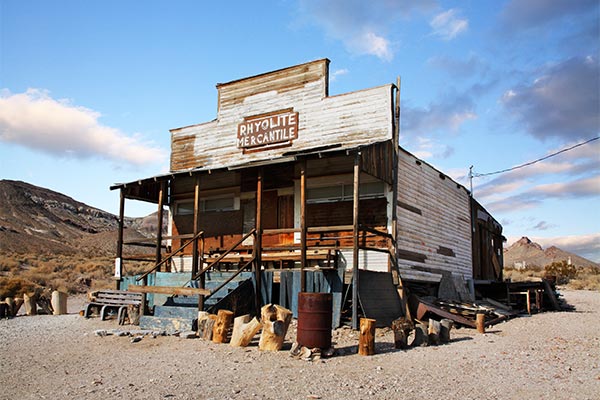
[[161, 193], [195, 243], [303, 225], [258, 241], [395, 144], [119, 259], [355, 254]]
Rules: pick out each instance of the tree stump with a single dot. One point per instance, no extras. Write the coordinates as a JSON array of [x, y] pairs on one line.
[[421, 334], [433, 332], [275, 321], [244, 330], [133, 313], [18, 302], [446, 327], [480, 322], [366, 339], [205, 326], [402, 328], [10, 303], [30, 304], [221, 326]]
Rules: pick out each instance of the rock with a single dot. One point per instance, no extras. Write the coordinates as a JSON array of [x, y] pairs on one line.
[[101, 332], [136, 339], [188, 335]]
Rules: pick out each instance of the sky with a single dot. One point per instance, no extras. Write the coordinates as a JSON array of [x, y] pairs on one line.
[[89, 91]]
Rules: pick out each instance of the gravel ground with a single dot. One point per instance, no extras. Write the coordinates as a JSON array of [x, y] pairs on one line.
[[554, 355]]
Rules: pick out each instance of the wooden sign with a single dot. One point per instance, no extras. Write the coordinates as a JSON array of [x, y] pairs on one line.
[[265, 131]]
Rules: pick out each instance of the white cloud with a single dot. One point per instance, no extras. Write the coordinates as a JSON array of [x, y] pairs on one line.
[[363, 27], [562, 101], [338, 72], [448, 25], [35, 120]]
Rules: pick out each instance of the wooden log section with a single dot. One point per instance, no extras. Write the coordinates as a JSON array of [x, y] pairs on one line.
[[433, 332], [421, 334], [402, 328], [222, 326], [10, 304], [275, 320], [205, 326], [480, 322], [18, 302], [445, 328], [244, 330], [30, 304], [366, 339]]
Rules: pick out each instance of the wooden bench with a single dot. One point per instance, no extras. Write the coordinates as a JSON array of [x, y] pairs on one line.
[[113, 299]]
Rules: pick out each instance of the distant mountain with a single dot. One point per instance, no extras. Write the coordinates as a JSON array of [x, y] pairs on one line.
[[526, 252], [34, 219]]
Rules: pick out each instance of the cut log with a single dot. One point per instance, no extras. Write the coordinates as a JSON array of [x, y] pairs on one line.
[[244, 330], [421, 336], [18, 302], [445, 328], [30, 304], [366, 338], [275, 321], [433, 332], [205, 326], [10, 304], [402, 328], [133, 313], [480, 322], [222, 326]]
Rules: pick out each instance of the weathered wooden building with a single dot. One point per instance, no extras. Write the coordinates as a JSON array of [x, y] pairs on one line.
[[290, 182]]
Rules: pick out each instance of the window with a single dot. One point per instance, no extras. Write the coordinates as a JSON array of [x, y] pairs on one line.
[[344, 192], [210, 204]]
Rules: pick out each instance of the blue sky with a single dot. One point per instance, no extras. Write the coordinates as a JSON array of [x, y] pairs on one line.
[[89, 91]]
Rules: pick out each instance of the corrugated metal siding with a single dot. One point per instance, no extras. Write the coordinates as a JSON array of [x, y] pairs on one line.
[[434, 230], [347, 120]]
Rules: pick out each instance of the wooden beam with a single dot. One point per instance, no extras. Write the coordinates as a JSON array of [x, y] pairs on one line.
[[159, 224], [355, 253], [119, 260], [303, 243], [175, 290], [258, 241], [196, 223]]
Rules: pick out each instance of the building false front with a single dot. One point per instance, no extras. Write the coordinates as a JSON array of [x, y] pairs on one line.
[[291, 177]]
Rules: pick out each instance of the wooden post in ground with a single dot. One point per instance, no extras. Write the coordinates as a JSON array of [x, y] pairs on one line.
[[480, 322], [222, 325], [421, 334], [433, 332], [401, 327], [205, 326], [275, 320], [244, 330], [303, 243], [18, 302], [446, 326], [355, 253], [258, 241], [30, 304], [366, 339], [119, 258], [10, 303]]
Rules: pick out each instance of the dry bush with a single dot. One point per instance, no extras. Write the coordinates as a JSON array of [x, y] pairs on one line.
[[522, 275], [11, 286]]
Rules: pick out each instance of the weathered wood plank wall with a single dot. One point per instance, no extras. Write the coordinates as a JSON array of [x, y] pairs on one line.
[[434, 229], [345, 121]]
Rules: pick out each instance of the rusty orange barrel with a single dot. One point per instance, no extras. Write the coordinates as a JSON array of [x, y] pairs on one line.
[[314, 320]]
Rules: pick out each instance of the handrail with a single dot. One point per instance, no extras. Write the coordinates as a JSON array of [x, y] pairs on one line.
[[145, 274], [222, 256], [222, 285]]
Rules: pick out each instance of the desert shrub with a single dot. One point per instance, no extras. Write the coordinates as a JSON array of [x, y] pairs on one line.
[[12, 286], [563, 271]]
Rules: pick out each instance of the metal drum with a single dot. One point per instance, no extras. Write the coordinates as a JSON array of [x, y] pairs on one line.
[[314, 320]]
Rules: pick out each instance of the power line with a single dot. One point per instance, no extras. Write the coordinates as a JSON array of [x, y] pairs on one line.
[[477, 175]]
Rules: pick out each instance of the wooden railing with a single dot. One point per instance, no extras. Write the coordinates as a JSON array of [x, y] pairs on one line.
[[199, 235]]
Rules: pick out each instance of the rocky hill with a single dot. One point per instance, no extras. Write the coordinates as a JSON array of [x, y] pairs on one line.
[[524, 253], [38, 220]]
